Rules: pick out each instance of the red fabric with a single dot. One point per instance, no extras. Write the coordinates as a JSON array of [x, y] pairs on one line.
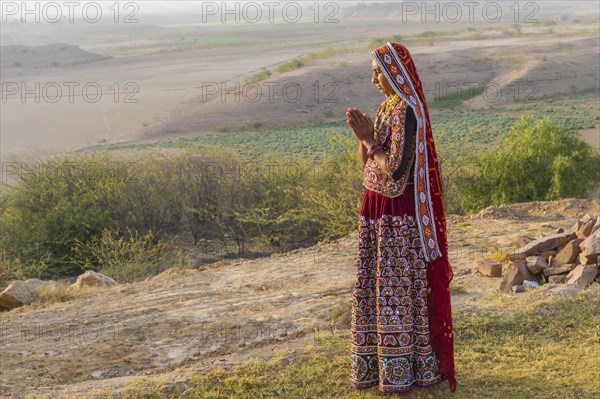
[[439, 271]]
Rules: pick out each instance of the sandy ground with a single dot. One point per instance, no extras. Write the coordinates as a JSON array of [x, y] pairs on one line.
[[147, 96], [228, 312], [132, 92], [345, 81]]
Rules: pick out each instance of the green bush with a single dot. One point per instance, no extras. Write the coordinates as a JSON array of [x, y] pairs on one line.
[[126, 257], [116, 220], [536, 160], [71, 200]]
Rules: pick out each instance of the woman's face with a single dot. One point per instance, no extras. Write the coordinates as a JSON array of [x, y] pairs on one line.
[[380, 80]]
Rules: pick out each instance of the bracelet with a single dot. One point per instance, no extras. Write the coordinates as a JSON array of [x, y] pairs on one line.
[[372, 150]]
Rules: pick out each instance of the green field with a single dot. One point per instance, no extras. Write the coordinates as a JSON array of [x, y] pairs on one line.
[[449, 126]]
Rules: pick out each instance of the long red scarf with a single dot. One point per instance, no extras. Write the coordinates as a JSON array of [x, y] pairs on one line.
[[398, 66]]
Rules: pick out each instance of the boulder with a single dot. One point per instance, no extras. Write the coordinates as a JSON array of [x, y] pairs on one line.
[[564, 289], [588, 260], [92, 278], [20, 293], [568, 254], [521, 241], [542, 244], [590, 247], [597, 225], [559, 269], [582, 275], [490, 269], [587, 217], [575, 227], [536, 264], [586, 228], [516, 274], [522, 265], [512, 277]]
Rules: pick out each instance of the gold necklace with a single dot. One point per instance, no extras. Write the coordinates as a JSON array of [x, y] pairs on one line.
[[384, 112]]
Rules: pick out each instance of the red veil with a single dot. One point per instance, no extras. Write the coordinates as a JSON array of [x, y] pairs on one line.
[[398, 66]]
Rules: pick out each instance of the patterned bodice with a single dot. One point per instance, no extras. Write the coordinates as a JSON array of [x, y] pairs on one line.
[[398, 140]]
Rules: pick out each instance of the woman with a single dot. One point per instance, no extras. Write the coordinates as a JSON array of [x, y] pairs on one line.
[[401, 312]]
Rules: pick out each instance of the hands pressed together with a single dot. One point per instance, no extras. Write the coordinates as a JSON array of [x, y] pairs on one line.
[[361, 125], [364, 130]]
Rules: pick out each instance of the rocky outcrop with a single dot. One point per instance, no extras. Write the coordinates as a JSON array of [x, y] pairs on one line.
[[569, 257], [92, 278], [20, 293]]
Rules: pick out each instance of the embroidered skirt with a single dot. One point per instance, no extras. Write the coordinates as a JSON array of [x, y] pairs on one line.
[[390, 343]]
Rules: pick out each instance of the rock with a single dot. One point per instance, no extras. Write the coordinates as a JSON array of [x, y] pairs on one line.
[[516, 274], [530, 284], [20, 293], [587, 217], [92, 278], [512, 277], [597, 225], [521, 241], [559, 269], [546, 255], [587, 260], [536, 264], [586, 229], [564, 289], [543, 244], [528, 275], [591, 245], [582, 275], [575, 227], [559, 230], [568, 254], [557, 278], [518, 288], [490, 269]]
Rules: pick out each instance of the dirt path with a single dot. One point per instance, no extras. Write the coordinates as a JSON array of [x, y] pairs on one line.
[[226, 313]]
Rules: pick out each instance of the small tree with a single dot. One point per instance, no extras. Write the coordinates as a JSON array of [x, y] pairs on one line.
[[534, 161]]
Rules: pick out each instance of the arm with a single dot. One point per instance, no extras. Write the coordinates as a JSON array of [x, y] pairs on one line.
[[394, 161], [362, 153]]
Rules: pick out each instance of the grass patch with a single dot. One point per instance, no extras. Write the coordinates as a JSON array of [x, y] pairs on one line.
[[251, 144], [221, 129], [289, 66], [380, 41], [258, 77], [458, 289], [497, 255], [60, 292], [299, 62], [516, 351], [477, 35], [450, 123]]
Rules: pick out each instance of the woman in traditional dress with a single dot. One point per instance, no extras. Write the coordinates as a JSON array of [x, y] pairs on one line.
[[402, 336]]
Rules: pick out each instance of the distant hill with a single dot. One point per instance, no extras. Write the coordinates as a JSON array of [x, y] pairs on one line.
[[14, 57]]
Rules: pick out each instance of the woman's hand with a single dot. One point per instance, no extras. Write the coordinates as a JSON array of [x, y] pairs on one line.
[[361, 125]]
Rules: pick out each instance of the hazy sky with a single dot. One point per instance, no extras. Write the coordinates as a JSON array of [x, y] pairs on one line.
[[162, 6]]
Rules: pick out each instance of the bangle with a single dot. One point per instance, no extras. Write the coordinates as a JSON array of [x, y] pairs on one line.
[[372, 150]]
